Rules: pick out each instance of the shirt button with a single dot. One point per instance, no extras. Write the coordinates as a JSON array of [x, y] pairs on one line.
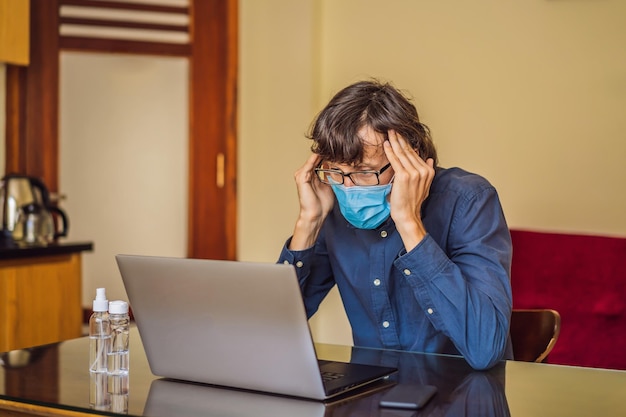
[[286, 262], [377, 282], [299, 264], [430, 311], [407, 272], [383, 233], [385, 324]]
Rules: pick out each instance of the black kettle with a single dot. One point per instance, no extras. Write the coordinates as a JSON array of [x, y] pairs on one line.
[[26, 212]]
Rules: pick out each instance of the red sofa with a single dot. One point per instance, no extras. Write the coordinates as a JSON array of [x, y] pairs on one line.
[[584, 279]]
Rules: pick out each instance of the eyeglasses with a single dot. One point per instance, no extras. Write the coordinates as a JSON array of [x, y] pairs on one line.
[[362, 178]]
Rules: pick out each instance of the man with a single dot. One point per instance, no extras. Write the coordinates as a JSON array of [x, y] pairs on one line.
[[420, 254]]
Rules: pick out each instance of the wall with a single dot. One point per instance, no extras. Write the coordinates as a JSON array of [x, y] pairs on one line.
[[123, 165], [278, 81], [123, 118], [529, 94], [279, 94]]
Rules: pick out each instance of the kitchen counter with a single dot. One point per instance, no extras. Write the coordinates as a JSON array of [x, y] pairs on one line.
[[29, 251], [40, 294]]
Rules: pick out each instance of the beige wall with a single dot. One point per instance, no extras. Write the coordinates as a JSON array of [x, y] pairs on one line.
[[123, 159], [278, 81], [530, 94], [279, 95]]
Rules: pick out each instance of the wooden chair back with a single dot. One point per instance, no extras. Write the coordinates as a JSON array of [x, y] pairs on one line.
[[534, 333]]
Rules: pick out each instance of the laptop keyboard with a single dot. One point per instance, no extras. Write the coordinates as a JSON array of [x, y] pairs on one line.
[[331, 376]]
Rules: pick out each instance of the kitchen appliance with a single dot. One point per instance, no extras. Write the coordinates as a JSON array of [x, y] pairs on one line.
[[27, 214]]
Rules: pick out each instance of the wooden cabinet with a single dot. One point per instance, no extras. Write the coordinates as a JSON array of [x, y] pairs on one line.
[[40, 300], [14, 31]]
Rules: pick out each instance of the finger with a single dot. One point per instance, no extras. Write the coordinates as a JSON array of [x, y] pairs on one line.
[[305, 172], [312, 161], [411, 154], [405, 153], [391, 156]]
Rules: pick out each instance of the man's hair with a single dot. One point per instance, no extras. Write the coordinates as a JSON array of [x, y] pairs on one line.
[[367, 103]]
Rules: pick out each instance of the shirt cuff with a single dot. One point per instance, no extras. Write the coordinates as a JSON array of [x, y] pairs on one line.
[[301, 259], [424, 261]]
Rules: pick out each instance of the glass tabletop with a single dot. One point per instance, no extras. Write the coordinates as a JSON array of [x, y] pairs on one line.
[[57, 376]]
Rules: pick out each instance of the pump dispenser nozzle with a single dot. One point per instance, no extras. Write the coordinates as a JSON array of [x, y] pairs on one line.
[[100, 303]]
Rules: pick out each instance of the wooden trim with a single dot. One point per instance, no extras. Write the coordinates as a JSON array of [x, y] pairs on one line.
[[213, 122], [101, 4], [12, 408], [33, 100], [15, 127], [122, 24], [231, 120], [42, 95], [75, 43]]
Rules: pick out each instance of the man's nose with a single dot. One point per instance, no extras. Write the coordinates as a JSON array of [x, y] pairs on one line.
[[347, 181]]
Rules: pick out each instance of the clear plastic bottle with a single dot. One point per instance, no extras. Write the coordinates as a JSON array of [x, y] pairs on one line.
[[99, 333], [118, 359], [99, 398]]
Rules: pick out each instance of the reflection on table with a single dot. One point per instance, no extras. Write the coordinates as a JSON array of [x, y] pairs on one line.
[[56, 376]]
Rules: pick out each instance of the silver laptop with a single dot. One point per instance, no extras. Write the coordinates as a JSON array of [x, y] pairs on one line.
[[233, 324]]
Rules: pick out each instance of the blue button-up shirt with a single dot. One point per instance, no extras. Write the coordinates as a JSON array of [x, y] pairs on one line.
[[449, 294]]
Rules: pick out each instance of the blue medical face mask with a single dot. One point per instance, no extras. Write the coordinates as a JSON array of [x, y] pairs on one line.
[[363, 207]]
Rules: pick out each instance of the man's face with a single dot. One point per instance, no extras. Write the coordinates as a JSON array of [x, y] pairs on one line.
[[374, 157]]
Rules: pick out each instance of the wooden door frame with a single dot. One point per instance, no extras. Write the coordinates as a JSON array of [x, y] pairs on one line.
[[32, 107], [213, 115]]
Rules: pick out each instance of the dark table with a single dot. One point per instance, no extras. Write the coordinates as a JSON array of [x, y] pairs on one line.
[[54, 380]]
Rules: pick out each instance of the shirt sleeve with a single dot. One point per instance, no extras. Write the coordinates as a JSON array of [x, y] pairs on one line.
[[465, 289], [314, 273]]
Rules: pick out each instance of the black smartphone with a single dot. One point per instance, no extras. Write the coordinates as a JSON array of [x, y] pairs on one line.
[[408, 396]]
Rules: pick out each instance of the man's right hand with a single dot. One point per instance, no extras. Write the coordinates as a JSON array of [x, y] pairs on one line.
[[316, 201]]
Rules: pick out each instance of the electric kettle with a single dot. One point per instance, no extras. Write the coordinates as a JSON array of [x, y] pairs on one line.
[[26, 212], [35, 224]]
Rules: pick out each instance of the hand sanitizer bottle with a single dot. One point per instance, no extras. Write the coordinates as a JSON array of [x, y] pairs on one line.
[[99, 333], [120, 322]]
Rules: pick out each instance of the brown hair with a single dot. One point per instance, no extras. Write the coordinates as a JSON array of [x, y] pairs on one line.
[[367, 103]]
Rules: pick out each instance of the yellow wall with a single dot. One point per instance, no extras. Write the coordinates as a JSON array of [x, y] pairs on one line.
[[123, 128], [530, 94], [278, 82]]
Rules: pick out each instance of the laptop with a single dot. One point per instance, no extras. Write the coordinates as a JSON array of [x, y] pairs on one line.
[[234, 324]]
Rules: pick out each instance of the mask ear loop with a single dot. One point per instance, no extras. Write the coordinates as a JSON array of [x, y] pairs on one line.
[[390, 183]]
